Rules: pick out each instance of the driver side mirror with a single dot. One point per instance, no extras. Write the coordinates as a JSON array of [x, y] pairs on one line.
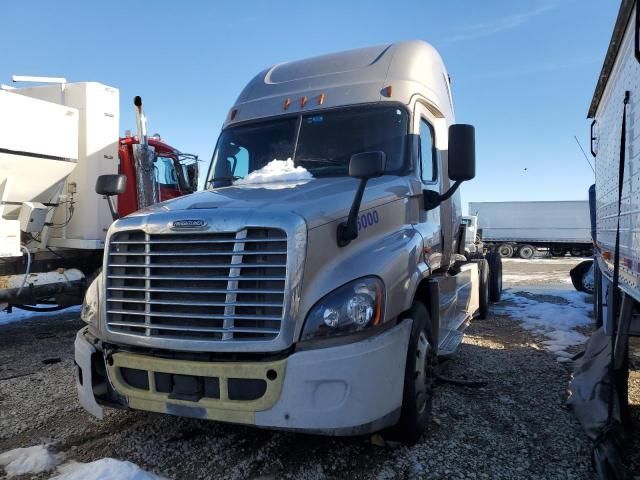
[[109, 186], [462, 163], [462, 152]]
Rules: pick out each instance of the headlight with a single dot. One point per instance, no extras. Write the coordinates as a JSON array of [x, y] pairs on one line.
[[348, 309], [90, 306]]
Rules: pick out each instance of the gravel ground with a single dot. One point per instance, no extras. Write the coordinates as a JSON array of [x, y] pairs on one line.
[[514, 427]]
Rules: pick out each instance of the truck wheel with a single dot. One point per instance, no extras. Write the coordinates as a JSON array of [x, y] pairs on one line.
[[506, 250], [483, 288], [495, 276], [576, 252], [557, 252], [419, 376], [526, 252]]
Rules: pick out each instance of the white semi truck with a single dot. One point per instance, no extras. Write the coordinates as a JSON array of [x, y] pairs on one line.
[[313, 292], [56, 141], [521, 228]]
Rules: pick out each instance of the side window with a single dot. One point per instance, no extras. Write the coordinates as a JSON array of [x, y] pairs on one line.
[[165, 173], [427, 153]]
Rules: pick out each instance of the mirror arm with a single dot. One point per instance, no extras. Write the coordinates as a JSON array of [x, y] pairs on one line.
[[112, 207], [433, 199], [348, 231]]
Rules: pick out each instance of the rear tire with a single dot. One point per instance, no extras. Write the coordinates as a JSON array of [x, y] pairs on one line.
[[576, 252], [526, 252], [495, 276], [419, 376], [506, 250], [557, 252], [483, 288]]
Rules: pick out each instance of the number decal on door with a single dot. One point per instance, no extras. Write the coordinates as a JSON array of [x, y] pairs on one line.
[[368, 219]]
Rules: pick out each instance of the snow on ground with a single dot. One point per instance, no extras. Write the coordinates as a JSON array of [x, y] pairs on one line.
[[556, 277], [547, 260], [20, 461], [554, 313], [276, 171], [103, 469], [18, 315], [38, 459]]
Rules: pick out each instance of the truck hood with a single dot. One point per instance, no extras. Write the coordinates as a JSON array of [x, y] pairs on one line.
[[318, 201]]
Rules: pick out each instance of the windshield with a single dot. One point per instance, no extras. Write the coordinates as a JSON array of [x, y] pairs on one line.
[[325, 142]]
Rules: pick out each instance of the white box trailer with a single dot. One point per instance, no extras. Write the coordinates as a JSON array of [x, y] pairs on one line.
[[599, 386], [522, 227], [98, 108], [55, 141]]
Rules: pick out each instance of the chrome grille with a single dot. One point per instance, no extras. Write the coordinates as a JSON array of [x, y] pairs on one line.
[[208, 286]]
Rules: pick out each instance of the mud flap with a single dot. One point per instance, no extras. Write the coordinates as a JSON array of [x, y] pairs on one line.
[[598, 405]]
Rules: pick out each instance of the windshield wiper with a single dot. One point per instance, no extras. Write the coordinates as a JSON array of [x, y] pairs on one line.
[[230, 177]]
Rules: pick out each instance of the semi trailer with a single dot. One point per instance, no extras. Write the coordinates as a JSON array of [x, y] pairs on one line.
[[315, 282], [522, 228], [56, 141], [599, 388]]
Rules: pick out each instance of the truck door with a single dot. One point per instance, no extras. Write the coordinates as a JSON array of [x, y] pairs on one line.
[[428, 168], [435, 224]]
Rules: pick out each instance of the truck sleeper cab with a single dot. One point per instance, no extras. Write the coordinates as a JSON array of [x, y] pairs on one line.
[[312, 293]]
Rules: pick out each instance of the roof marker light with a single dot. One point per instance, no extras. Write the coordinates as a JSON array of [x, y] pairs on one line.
[[321, 99], [287, 103], [303, 101], [386, 91], [233, 113]]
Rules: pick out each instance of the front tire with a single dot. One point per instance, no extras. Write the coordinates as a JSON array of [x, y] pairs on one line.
[[483, 288], [419, 376], [495, 276]]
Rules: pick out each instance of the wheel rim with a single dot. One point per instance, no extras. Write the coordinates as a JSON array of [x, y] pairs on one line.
[[505, 251], [422, 375]]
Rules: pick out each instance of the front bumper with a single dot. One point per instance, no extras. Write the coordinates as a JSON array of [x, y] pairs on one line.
[[345, 390]]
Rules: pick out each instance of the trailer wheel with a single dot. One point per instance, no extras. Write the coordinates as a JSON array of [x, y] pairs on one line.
[[557, 252], [576, 252], [419, 376], [495, 276], [506, 250], [526, 252]]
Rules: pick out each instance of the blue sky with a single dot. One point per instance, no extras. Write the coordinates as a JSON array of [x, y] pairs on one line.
[[523, 71]]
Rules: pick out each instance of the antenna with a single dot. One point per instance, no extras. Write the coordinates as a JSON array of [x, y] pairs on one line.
[[585, 155]]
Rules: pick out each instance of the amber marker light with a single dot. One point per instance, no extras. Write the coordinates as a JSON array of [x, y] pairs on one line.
[[303, 101], [387, 91], [287, 103], [378, 316], [321, 99], [233, 114]]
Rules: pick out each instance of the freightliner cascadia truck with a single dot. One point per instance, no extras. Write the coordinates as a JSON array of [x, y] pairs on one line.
[[316, 280]]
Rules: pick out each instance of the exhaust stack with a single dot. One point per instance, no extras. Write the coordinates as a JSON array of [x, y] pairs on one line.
[[146, 186]]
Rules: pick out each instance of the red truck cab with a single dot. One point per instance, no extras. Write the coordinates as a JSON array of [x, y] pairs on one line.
[[176, 173]]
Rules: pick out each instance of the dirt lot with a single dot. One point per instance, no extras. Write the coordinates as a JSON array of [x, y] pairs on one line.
[[514, 427]]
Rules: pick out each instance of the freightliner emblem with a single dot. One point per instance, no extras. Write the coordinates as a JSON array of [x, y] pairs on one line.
[[188, 224]]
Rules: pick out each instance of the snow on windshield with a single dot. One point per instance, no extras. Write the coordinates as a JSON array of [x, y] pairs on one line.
[[276, 171]]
